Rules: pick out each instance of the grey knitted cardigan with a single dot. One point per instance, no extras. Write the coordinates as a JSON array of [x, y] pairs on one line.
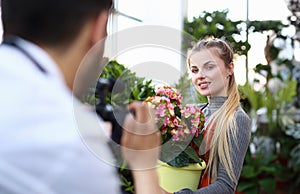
[[223, 184]]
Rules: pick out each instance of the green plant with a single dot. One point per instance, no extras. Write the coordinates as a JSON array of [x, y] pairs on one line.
[[294, 163], [135, 88], [275, 102], [217, 24], [126, 178], [258, 174]]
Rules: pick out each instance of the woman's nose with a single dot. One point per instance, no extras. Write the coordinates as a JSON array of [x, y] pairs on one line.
[[200, 74]]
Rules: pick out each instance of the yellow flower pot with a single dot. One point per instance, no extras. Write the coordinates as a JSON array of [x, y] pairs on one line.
[[173, 179]]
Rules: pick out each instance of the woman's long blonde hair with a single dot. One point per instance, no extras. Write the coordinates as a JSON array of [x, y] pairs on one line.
[[222, 124]]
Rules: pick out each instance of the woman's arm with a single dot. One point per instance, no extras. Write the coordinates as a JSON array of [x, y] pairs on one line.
[[223, 184]]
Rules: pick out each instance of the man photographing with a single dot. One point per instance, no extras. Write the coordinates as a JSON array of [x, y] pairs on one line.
[[41, 150]]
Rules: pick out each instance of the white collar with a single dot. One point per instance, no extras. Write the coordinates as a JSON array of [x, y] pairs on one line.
[[42, 57]]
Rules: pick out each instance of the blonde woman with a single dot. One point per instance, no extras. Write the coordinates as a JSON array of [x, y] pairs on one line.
[[227, 131]]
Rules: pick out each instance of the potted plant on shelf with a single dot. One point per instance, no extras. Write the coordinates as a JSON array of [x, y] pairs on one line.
[[181, 129]]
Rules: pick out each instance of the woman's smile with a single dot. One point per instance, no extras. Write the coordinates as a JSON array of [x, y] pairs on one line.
[[203, 85]]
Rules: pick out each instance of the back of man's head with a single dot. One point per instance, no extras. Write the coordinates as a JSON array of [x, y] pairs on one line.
[[50, 22]]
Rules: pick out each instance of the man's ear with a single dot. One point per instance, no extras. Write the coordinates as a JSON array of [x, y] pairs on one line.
[[100, 27]]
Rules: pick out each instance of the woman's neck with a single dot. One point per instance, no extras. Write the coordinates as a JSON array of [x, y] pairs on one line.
[[216, 102]]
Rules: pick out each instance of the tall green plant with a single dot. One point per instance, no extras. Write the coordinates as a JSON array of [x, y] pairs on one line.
[[278, 98], [273, 102], [218, 24]]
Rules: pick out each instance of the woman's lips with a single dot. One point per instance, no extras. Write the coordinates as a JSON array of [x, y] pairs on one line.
[[203, 85]]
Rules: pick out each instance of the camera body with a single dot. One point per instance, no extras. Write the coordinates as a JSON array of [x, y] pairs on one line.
[[115, 115]]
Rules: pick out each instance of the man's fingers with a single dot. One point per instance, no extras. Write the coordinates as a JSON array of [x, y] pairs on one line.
[[143, 123], [143, 113], [141, 139]]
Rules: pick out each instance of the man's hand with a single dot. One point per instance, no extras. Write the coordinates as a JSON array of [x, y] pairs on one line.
[[141, 139], [140, 143]]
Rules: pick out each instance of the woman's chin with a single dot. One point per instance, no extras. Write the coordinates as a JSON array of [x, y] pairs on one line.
[[204, 93]]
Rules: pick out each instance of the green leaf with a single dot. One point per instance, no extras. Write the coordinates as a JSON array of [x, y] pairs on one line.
[[260, 26], [246, 186], [249, 171], [253, 190], [198, 140], [267, 185], [216, 24], [254, 97], [287, 93], [181, 160], [267, 169], [193, 154], [136, 88]]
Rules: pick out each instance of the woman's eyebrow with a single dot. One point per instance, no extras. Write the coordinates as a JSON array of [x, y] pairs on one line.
[[204, 64], [208, 63]]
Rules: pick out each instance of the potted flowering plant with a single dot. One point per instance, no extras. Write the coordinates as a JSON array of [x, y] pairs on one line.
[[181, 130]]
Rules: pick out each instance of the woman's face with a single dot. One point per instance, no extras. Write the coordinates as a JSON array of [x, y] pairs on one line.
[[209, 74]]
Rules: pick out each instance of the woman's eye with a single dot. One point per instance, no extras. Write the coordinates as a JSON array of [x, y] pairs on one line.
[[209, 67], [194, 70]]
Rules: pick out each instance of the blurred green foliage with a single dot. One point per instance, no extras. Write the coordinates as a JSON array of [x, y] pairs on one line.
[[218, 25]]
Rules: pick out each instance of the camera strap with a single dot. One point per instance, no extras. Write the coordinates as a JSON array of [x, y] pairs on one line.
[[13, 41]]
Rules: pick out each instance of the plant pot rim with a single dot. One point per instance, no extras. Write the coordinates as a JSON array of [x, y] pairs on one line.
[[191, 166]]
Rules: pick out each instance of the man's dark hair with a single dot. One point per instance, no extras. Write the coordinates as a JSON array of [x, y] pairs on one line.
[[51, 22]]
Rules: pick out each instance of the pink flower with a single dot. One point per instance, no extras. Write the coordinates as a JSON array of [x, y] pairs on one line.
[[161, 110], [175, 121], [165, 101]]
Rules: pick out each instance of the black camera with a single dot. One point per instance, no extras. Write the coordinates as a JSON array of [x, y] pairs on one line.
[[106, 111]]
